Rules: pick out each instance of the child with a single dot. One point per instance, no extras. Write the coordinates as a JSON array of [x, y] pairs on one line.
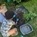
[[5, 20]]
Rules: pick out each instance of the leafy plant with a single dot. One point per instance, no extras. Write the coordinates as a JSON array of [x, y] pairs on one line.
[[17, 1], [29, 16]]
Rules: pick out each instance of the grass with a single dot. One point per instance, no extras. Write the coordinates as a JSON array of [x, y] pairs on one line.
[[32, 7]]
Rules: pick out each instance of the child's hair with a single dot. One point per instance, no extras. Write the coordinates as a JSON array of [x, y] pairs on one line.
[[9, 14], [1, 5]]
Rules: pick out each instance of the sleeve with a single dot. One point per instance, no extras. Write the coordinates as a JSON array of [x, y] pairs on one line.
[[1, 18]]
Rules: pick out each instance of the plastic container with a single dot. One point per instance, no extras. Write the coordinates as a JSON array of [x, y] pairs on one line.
[[26, 29]]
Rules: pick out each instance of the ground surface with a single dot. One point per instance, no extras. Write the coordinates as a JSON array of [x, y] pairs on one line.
[[32, 7]]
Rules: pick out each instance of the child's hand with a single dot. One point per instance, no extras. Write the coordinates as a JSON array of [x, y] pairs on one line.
[[13, 32]]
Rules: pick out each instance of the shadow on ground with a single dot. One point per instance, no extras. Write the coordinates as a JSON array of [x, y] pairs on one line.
[[25, 0]]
